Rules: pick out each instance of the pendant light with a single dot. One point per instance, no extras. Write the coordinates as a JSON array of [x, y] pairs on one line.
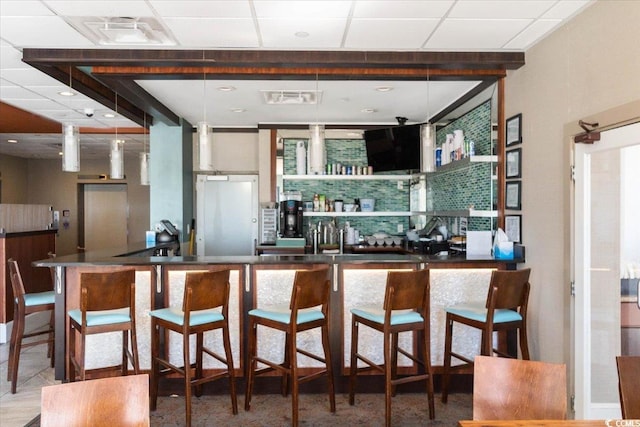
[[144, 156], [427, 139], [70, 143], [116, 157], [205, 145], [317, 153], [70, 148]]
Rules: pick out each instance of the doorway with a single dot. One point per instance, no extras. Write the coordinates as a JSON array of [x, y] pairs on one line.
[[104, 212], [606, 254]]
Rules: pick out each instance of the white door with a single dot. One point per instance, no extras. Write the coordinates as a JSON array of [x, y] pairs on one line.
[[606, 249], [105, 216], [227, 214]]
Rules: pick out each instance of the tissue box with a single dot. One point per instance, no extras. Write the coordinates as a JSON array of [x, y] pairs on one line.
[[503, 250]]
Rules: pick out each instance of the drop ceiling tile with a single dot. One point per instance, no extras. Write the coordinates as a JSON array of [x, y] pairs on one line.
[[41, 31], [401, 9], [35, 105], [18, 92], [486, 34], [133, 8], [23, 8], [11, 57], [213, 33], [322, 33], [302, 9], [500, 9], [28, 77], [389, 34], [202, 9], [532, 34], [566, 8]]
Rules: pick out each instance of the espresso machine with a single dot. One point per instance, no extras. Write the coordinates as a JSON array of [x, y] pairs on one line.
[[291, 218]]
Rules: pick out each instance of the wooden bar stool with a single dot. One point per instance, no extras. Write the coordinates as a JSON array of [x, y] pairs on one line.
[[25, 304], [205, 307], [311, 289], [505, 310], [629, 386], [107, 304], [406, 309]]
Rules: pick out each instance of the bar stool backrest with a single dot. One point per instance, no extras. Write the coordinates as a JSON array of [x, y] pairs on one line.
[[205, 290], [310, 289], [509, 289], [16, 281], [629, 386], [107, 291], [407, 290]]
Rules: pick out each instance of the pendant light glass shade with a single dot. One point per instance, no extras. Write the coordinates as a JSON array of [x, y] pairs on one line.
[[116, 159], [70, 148], [144, 168], [205, 147], [427, 150], [317, 153]]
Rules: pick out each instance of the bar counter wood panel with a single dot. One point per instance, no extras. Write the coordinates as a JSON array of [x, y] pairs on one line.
[[259, 281], [24, 247], [537, 423]]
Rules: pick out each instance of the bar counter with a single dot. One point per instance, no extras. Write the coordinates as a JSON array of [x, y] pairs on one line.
[[357, 280]]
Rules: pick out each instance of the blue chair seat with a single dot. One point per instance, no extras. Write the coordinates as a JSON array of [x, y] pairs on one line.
[[39, 298], [398, 317], [176, 316], [479, 313], [105, 317], [283, 315]]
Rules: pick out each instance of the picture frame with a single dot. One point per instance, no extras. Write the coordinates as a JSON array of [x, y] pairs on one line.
[[514, 130], [513, 191], [513, 227], [513, 163]]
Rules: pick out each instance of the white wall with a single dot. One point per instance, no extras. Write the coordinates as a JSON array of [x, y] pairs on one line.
[[588, 69]]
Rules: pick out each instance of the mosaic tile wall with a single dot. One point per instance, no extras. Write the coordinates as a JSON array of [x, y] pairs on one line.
[[460, 187], [351, 152]]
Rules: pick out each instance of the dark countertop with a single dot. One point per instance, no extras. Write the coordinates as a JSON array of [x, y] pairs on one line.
[[140, 254]]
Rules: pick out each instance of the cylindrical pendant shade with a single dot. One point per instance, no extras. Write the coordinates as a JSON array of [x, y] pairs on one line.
[[144, 168], [117, 159], [316, 150], [427, 140], [70, 148], [205, 147]]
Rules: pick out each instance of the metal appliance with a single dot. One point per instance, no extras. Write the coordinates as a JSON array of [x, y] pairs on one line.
[[291, 218], [268, 225]]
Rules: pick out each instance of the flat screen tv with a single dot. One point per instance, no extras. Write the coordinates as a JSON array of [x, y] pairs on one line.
[[393, 148]]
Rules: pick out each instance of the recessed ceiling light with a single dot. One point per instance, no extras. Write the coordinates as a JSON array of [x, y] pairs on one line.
[[109, 115], [226, 88], [368, 110], [301, 34], [12, 141], [238, 110], [384, 88], [67, 93]]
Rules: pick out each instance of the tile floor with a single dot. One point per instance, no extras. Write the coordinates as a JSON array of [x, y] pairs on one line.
[[33, 374]]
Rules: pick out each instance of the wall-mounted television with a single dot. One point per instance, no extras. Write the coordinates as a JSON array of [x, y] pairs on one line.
[[393, 148]]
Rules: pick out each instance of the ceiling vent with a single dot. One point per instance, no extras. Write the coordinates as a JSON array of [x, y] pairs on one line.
[[123, 31], [292, 97]]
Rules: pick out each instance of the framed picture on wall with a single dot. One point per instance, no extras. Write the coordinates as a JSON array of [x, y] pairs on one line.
[[514, 130], [513, 227], [513, 163], [512, 198]]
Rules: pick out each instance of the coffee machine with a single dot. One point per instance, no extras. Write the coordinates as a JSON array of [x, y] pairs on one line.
[[291, 218]]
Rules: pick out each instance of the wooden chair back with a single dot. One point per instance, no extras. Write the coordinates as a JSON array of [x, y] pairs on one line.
[[17, 285], [515, 389], [204, 290], [629, 386], [407, 290], [310, 289], [114, 401], [107, 291], [509, 289]]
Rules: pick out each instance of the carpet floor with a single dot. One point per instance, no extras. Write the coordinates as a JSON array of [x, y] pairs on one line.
[[275, 410]]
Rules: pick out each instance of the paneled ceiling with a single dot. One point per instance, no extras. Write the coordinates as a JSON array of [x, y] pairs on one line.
[[362, 27]]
